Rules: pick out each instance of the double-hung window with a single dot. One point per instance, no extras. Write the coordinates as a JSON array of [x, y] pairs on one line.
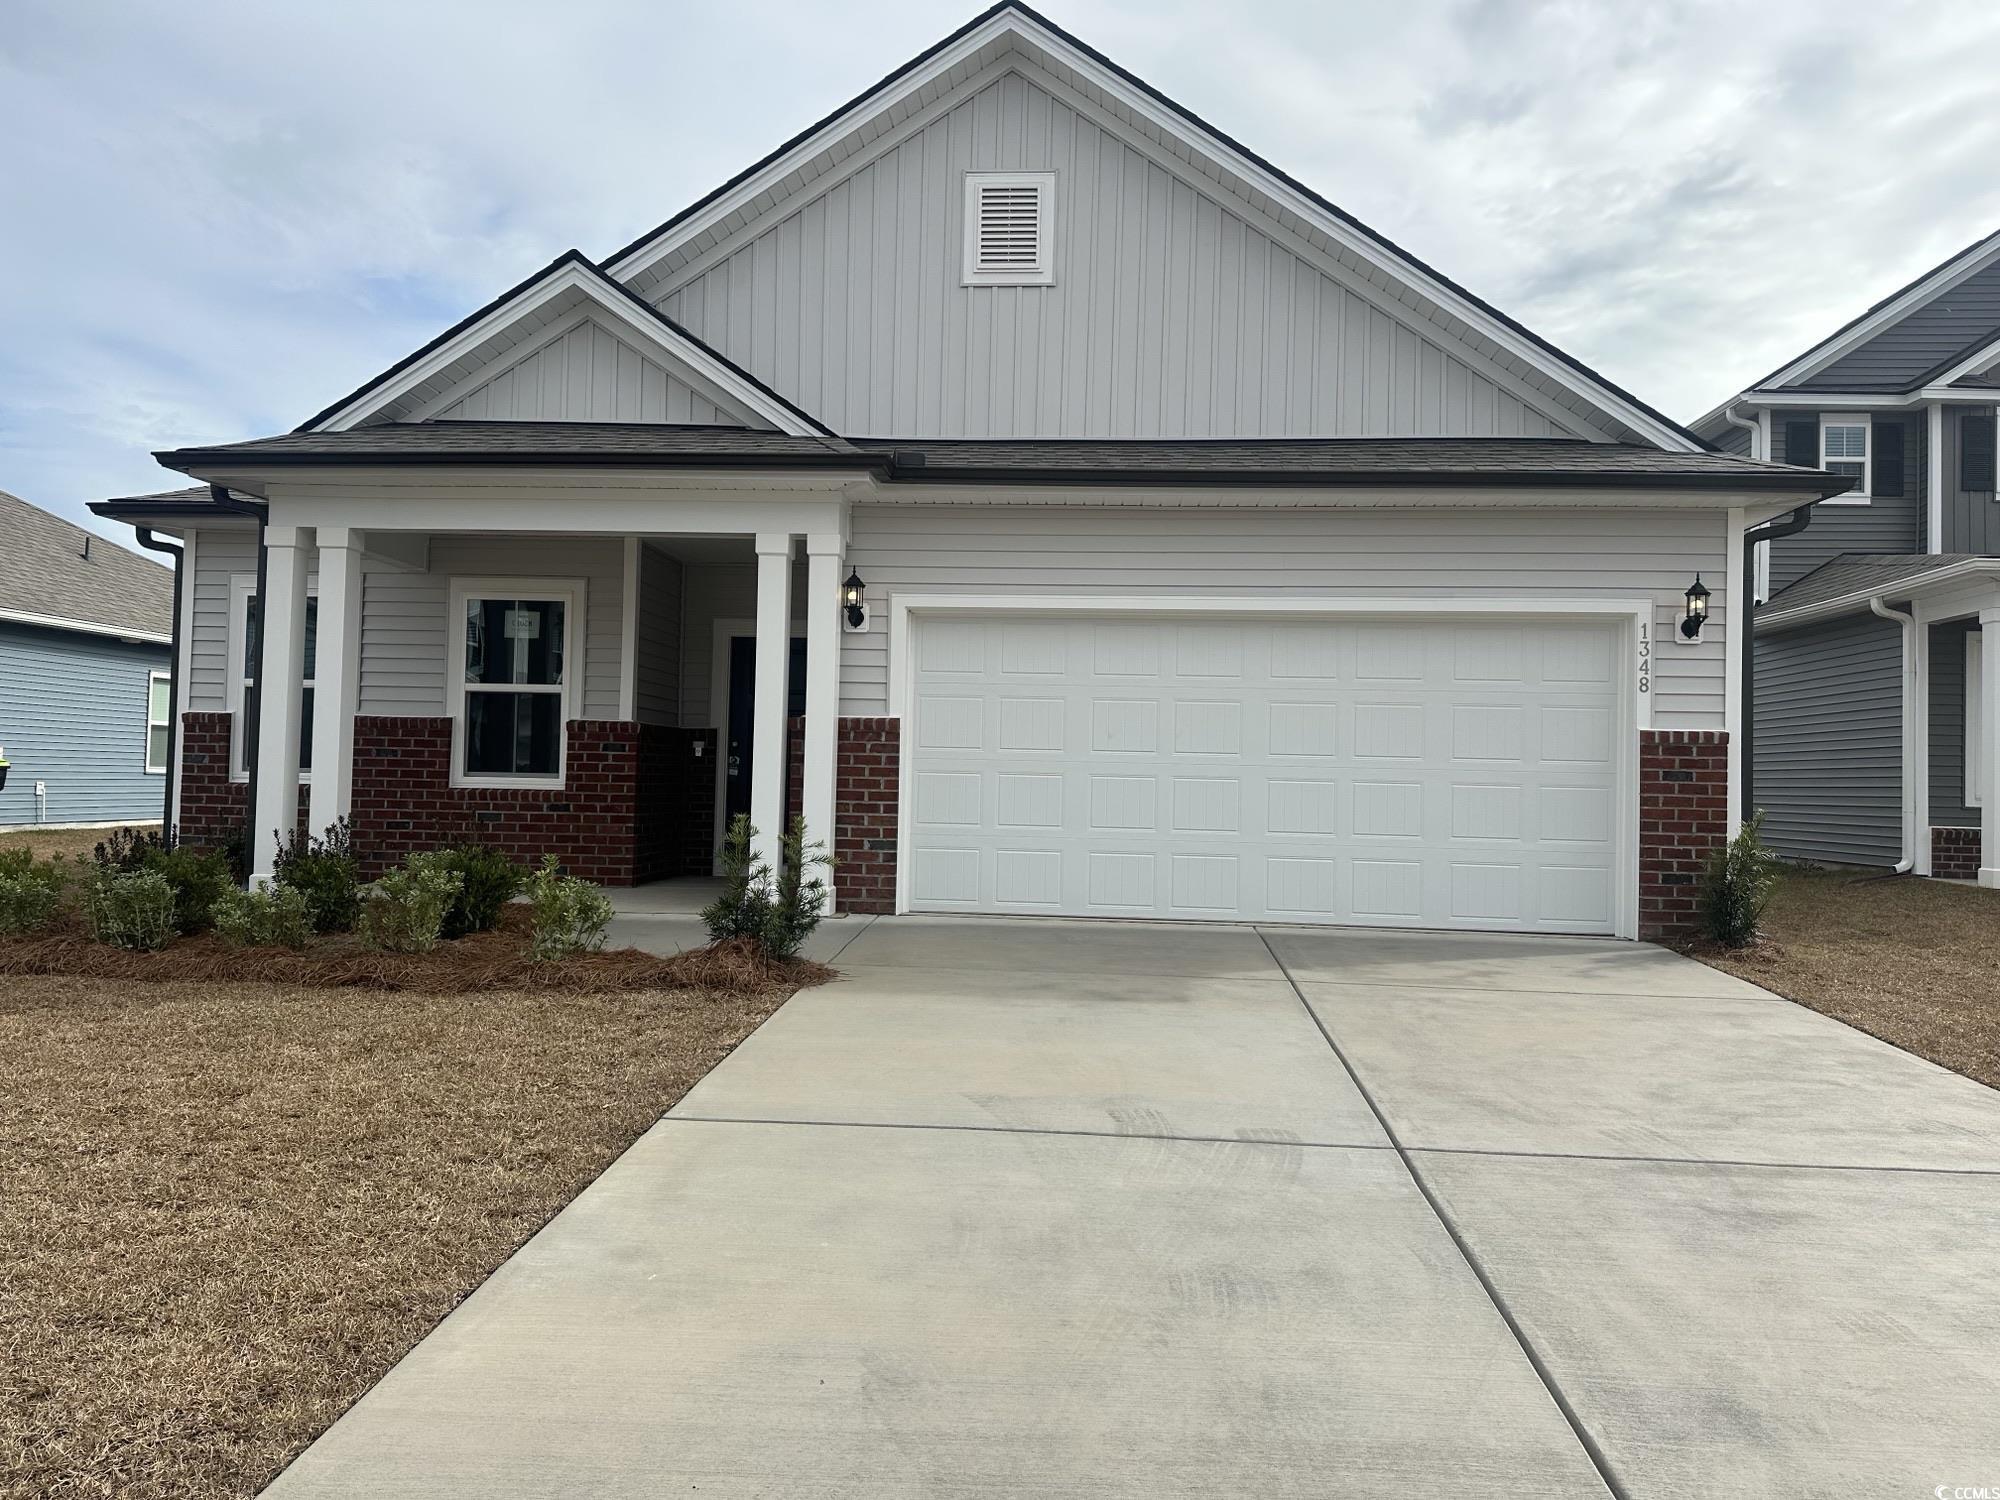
[[246, 636], [1844, 449], [159, 729], [514, 672]]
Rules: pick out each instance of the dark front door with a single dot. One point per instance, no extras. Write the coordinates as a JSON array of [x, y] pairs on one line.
[[743, 714]]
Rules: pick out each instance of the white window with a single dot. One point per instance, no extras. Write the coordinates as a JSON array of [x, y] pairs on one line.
[[245, 642], [1010, 228], [1975, 699], [1844, 449], [516, 661], [159, 728]]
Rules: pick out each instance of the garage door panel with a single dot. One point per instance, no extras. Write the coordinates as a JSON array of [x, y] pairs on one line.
[[1394, 773]]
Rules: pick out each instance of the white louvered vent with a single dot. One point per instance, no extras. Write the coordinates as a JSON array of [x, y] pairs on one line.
[[1009, 228]]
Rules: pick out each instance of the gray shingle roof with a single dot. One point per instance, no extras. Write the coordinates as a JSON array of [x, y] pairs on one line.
[[1356, 461], [1862, 572], [57, 569]]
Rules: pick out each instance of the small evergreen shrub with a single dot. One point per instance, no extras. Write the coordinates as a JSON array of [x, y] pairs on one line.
[[488, 880], [800, 896], [745, 903], [131, 911], [1736, 887], [570, 914], [275, 917], [31, 892], [405, 910], [326, 870], [126, 850], [198, 878]]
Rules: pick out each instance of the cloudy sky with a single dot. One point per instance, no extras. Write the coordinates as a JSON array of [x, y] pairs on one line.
[[217, 215]]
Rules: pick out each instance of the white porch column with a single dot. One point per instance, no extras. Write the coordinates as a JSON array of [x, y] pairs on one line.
[[1989, 746], [336, 676], [823, 553], [769, 748], [281, 667]]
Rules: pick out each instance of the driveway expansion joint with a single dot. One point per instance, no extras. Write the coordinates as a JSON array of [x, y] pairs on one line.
[[1092, 1135], [1598, 1458], [1702, 1161]]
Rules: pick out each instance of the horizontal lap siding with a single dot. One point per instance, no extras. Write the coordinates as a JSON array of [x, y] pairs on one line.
[[1889, 523], [1300, 553], [73, 715], [219, 554], [1948, 726], [657, 679], [1829, 752]]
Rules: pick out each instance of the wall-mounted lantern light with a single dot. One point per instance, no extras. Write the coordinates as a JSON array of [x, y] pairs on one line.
[[851, 600], [1697, 610]]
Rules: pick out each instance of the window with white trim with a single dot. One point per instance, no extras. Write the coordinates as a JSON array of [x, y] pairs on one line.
[[1010, 228], [159, 726], [1844, 449], [246, 642], [514, 678], [1975, 739]]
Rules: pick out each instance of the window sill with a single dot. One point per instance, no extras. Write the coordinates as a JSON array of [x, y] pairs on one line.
[[1849, 500], [510, 783]]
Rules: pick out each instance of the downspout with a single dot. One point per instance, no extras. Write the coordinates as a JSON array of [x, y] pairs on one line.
[[228, 502], [1909, 624], [1770, 531], [152, 543]]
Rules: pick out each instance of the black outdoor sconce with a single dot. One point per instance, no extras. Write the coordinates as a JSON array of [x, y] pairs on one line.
[[1697, 611], [851, 600]]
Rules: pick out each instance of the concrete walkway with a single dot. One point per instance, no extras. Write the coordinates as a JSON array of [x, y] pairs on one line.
[[1093, 1210]]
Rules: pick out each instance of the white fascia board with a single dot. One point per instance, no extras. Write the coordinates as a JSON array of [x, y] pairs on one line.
[[84, 627], [1942, 280], [1978, 360], [1141, 104], [1869, 400], [1915, 585], [735, 391]]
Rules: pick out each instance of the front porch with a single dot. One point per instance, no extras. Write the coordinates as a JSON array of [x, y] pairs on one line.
[[612, 697]]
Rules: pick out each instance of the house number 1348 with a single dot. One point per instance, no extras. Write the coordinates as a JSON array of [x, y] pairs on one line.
[[1645, 658]]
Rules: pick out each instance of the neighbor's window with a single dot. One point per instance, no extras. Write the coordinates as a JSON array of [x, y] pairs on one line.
[[1843, 449], [514, 685], [253, 619], [159, 694]]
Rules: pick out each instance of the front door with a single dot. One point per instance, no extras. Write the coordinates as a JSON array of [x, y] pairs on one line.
[[743, 715]]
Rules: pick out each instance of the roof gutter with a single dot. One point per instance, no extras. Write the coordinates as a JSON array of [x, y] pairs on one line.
[[1908, 621], [1826, 609]]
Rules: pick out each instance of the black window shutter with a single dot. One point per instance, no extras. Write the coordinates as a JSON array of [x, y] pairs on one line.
[[1975, 452], [1885, 475], [1802, 443]]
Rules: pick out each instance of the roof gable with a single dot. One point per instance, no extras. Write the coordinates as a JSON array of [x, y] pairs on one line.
[[569, 309], [1200, 158]]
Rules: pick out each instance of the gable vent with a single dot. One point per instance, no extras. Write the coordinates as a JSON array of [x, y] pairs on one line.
[[1009, 228]]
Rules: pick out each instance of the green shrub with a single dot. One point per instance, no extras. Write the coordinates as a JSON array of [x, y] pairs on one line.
[[405, 909], [198, 877], [125, 851], [131, 911], [488, 880], [326, 870], [275, 917], [780, 915], [801, 894], [745, 903], [30, 892], [1736, 887], [570, 914]]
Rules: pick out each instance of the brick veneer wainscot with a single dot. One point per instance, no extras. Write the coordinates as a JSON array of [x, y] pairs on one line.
[[1683, 819], [214, 807], [864, 809], [1955, 853], [404, 800]]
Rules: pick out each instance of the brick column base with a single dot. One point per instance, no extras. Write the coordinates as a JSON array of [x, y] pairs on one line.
[[1955, 853], [1683, 819], [214, 806], [865, 790]]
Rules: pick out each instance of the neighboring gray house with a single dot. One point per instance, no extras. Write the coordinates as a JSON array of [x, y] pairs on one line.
[[1212, 557], [1874, 708], [85, 674]]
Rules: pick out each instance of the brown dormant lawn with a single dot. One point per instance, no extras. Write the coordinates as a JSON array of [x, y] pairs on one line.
[[227, 1209], [1914, 962]]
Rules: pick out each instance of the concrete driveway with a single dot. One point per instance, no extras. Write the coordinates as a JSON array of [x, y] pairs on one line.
[[1077, 1209]]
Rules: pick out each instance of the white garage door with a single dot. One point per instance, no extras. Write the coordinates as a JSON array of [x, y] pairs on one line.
[[1442, 773]]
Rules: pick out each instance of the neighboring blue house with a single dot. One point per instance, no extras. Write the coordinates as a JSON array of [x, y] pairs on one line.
[[86, 695]]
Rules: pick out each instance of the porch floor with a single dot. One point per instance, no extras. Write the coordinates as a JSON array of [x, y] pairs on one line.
[[679, 895]]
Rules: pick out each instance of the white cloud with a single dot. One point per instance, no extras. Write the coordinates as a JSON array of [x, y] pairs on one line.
[[221, 215]]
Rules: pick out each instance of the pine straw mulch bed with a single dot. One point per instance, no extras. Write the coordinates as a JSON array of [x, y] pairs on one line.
[[497, 960], [1914, 962], [226, 1209]]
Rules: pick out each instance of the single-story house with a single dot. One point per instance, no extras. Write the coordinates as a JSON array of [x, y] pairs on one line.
[[86, 675], [1062, 507]]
